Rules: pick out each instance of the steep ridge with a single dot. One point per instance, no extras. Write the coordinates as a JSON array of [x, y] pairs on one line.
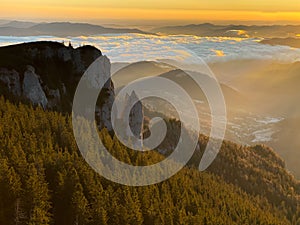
[[47, 73]]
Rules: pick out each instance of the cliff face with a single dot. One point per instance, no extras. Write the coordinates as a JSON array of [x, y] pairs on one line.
[[107, 94], [50, 67], [136, 115], [47, 74]]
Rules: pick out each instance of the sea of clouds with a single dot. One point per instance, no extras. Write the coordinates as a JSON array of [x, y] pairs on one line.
[[137, 47]]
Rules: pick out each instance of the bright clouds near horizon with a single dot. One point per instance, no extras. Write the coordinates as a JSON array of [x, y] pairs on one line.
[[153, 10], [182, 48]]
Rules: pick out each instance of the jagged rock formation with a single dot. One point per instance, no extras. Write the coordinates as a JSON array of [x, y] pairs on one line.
[[136, 115], [136, 118], [107, 93], [32, 88], [47, 74]]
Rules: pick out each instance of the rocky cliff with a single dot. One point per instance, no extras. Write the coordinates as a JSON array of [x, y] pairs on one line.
[[47, 74], [132, 105]]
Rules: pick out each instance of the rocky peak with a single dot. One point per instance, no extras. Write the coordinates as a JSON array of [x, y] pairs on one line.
[[47, 74], [136, 115], [32, 89], [54, 70], [107, 94]]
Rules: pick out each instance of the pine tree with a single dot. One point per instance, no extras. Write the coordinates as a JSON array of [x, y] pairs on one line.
[[37, 198], [10, 192], [79, 206]]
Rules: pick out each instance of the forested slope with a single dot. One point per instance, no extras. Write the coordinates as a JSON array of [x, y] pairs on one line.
[[44, 180]]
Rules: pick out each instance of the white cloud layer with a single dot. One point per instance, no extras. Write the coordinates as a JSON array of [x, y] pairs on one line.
[[137, 47]]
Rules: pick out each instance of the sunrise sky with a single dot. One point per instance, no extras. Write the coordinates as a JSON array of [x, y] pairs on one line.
[[191, 10]]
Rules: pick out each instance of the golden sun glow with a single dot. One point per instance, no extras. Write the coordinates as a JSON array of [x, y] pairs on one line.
[[218, 10]]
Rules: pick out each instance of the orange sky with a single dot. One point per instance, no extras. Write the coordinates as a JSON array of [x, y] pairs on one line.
[[191, 10]]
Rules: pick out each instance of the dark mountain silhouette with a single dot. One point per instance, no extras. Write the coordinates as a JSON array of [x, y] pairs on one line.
[[211, 30], [61, 29]]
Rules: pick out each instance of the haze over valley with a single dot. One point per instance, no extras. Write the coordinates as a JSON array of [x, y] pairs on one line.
[[252, 71], [255, 171]]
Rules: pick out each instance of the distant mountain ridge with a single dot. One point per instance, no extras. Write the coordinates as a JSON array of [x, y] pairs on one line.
[[18, 24], [64, 29], [292, 42], [212, 30], [61, 29]]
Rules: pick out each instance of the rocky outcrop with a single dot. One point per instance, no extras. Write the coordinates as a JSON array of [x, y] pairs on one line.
[[136, 115], [32, 89], [136, 118], [53, 75], [11, 80], [107, 94], [80, 58]]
